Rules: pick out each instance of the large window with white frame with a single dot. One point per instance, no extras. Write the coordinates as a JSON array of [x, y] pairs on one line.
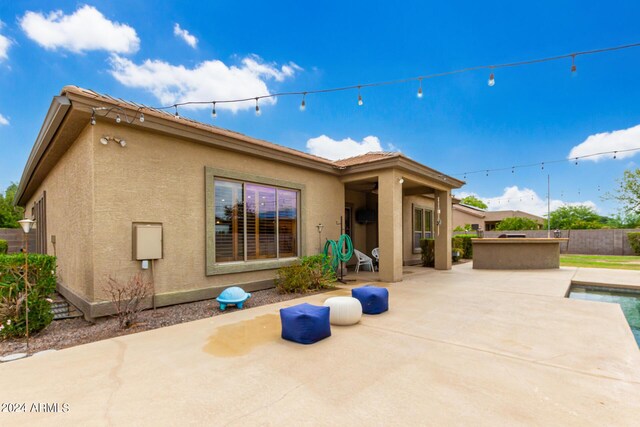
[[254, 221], [422, 226]]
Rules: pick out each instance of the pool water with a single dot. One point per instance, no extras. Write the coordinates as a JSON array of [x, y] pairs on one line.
[[628, 299]]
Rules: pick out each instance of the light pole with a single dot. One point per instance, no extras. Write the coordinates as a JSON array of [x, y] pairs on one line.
[[27, 225]]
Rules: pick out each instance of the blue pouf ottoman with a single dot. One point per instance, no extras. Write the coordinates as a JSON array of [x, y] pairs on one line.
[[305, 323], [374, 300]]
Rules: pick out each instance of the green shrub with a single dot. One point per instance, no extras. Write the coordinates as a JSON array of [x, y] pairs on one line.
[[634, 242], [313, 273], [428, 247], [42, 283], [4, 246], [463, 242]]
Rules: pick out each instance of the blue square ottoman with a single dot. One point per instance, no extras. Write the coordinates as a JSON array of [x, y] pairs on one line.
[[374, 300], [305, 323]]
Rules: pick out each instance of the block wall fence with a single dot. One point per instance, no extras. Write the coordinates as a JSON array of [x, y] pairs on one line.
[[14, 237], [586, 242]]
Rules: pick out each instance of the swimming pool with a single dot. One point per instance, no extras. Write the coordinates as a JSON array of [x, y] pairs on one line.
[[628, 299]]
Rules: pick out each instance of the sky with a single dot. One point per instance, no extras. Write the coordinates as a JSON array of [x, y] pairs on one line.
[[159, 53]]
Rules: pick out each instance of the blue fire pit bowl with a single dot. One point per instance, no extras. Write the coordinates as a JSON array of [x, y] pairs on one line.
[[233, 296]]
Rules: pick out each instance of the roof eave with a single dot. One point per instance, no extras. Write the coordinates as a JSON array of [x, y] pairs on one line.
[[56, 114]]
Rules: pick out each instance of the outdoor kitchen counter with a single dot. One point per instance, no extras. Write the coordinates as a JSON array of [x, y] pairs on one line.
[[516, 253]]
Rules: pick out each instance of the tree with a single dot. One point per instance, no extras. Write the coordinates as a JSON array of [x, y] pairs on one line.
[[9, 214], [517, 223], [474, 201], [624, 220], [577, 217], [629, 192]]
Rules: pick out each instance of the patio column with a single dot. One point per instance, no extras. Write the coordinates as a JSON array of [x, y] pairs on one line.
[[443, 230], [390, 226]]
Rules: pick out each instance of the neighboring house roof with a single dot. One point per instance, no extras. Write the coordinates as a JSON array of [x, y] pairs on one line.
[[471, 210], [71, 111]]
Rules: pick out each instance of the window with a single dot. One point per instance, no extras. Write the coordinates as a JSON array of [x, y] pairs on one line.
[[254, 222], [422, 226]]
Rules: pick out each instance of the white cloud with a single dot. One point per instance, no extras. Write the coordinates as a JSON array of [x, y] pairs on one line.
[[617, 140], [4, 121], [526, 200], [185, 35], [332, 149], [4, 45], [209, 80], [84, 30]]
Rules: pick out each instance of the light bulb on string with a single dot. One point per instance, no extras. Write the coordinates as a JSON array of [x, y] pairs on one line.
[[360, 102], [576, 159], [574, 68], [303, 104], [141, 117], [214, 114], [93, 118], [487, 172], [542, 165], [513, 169], [420, 89], [615, 155], [176, 116], [492, 80], [257, 108], [118, 119]]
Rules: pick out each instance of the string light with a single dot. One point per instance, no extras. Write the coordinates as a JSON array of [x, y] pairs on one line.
[[615, 155], [213, 111], [546, 162], [574, 68], [420, 88], [118, 119], [576, 161], [176, 116], [491, 80], [257, 108], [93, 118], [303, 104], [513, 169], [141, 117]]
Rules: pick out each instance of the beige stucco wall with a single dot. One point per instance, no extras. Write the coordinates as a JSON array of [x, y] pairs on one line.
[[461, 218], [161, 179], [70, 206], [409, 257]]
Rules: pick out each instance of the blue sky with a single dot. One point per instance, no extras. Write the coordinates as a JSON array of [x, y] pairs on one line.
[[211, 50]]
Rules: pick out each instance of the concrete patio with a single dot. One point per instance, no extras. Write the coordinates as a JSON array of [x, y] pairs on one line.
[[458, 347]]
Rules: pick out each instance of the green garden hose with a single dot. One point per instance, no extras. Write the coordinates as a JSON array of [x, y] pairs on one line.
[[336, 250]]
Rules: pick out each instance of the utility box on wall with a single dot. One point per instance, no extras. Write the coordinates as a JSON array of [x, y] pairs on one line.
[[147, 241]]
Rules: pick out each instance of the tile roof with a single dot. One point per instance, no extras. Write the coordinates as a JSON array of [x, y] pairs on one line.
[[372, 156]]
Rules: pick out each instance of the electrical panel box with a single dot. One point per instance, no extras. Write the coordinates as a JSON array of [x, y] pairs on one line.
[[147, 241]]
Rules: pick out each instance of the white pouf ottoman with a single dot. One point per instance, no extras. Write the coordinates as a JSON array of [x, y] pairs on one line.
[[344, 311]]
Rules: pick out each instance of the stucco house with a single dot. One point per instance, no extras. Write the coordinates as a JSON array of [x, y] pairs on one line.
[[105, 175], [486, 220]]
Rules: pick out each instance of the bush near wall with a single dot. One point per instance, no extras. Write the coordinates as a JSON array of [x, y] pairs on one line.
[[42, 280], [428, 247], [313, 273], [4, 246], [463, 242], [634, 242]]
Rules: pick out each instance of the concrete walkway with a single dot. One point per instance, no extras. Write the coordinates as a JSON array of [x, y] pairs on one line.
[[459, 347]]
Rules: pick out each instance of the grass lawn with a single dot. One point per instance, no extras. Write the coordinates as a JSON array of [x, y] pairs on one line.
[[601, 261]]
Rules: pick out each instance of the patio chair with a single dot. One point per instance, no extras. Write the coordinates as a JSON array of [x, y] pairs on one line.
[[376, 258], [363, 260]]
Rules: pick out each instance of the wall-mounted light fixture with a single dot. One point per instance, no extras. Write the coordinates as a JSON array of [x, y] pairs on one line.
[[105, 140], [400, 181]]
